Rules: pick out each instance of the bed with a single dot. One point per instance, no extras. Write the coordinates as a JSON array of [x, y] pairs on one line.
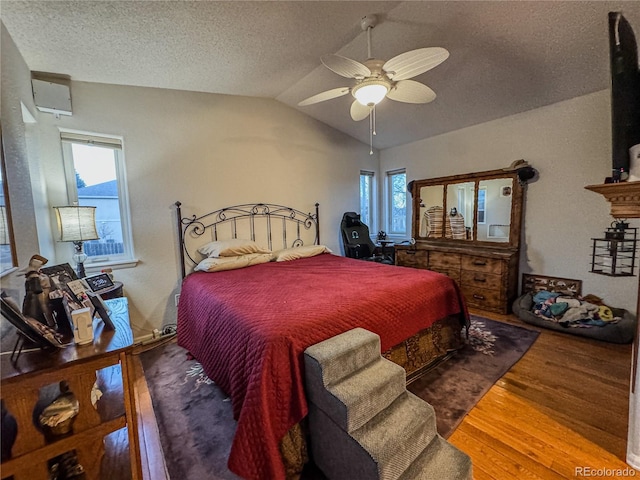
[[249, 327]]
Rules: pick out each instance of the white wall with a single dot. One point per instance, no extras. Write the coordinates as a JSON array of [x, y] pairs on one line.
[[569, 143], [26, 190], [208, 151]]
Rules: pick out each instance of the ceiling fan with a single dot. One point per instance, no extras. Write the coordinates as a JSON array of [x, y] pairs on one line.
[[376, 79]]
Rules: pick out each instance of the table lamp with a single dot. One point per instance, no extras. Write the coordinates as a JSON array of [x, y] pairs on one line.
[[77, 224]]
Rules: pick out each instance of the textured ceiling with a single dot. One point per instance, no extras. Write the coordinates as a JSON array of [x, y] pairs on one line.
[[505, 56]]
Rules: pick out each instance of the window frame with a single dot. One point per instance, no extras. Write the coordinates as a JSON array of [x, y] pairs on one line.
[[390, 174], [370, 222], [116, 143]]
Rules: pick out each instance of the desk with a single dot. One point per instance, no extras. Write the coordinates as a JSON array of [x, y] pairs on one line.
[[77, 365]]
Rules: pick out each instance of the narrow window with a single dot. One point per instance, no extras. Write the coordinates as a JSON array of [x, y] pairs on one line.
[[462, 202], [397, 202], [94, 167], [367, 196], [482, 204]]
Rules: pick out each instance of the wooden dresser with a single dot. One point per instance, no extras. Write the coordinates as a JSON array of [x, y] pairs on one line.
[[488, 278], [483, 255]]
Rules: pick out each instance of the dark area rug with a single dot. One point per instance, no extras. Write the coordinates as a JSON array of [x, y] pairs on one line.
[[455, 386], [195, 418]]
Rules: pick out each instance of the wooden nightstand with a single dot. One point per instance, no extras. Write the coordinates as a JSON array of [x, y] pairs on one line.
[[77, 365]]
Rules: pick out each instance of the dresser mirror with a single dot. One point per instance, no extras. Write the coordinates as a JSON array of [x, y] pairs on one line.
[[476, 208], [468, 228], [494, 209], [7, 243], [431, 199]]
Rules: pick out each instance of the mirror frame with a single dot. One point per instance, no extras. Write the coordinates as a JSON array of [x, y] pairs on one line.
[[7, 202], [476, 177]]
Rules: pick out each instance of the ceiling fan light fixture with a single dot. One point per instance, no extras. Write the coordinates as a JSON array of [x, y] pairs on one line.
[[377, 79], [370, 93]]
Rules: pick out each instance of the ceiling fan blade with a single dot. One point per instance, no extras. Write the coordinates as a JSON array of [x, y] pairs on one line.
[[413, 63], [359, 111], [345, 66], [410, 91], [322, 96]]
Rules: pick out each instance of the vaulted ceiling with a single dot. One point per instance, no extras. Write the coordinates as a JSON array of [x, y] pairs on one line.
[[505, 56]]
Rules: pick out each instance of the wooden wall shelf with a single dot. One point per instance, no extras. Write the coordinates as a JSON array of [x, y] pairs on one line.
[[624, 198]]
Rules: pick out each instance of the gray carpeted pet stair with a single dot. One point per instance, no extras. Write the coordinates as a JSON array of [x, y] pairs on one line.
[[365, 424]]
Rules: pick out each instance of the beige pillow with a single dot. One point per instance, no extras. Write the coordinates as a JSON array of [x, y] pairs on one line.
[[300, 252], [231, 248], [219, 264]]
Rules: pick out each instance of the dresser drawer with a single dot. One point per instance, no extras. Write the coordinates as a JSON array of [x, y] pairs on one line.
[[490, 281], [412, 258], [453, 273], [483, 298], [443, 260], [482, 264]]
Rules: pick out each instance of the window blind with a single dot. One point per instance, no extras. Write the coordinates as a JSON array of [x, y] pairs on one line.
[[398, 171], [107, 142]]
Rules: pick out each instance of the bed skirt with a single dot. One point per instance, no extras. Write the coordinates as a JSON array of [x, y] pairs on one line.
[[416, 355]]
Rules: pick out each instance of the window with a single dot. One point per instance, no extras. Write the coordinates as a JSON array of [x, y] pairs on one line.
[[462, 202], [482, 204], [367, 195], [397, 202], [94, 167]]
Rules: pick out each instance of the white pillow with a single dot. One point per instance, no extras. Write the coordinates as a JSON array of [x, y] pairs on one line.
[[300, 252], [231, 248], [218, 264]]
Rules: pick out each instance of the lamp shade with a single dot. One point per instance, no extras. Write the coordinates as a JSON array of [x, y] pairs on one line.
[[4, 226], [77, 224], [370, 92]]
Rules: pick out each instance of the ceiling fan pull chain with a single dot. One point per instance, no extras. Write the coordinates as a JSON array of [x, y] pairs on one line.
[[373, 112], [371, 131]]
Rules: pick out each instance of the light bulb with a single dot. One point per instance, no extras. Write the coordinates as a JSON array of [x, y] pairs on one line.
[[370, 94]]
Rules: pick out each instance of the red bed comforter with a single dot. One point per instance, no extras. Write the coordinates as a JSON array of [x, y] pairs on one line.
[[249, 329]]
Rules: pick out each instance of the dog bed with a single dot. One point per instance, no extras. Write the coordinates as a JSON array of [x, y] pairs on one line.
[[622, 331]]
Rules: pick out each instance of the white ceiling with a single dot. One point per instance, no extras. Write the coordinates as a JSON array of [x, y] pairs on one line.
[[505, 56]]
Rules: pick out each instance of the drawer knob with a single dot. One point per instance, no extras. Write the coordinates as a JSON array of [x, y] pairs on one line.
[[478, 297], [480, 280], [479, 262]]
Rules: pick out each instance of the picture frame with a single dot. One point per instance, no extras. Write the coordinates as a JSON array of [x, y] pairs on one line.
[[59, 276], [102, 310], [535, 283], [38, 333], [506, 191]]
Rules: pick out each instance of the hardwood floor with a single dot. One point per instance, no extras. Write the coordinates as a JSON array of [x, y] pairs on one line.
[[562, 407]]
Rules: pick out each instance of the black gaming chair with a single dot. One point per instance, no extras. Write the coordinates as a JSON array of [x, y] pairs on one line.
[[356, 240]]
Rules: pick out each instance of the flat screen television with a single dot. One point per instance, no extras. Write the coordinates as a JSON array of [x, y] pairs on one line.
[[625, 92]]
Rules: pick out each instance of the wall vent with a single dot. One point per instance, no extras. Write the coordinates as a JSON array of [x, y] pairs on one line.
[[52, 92]]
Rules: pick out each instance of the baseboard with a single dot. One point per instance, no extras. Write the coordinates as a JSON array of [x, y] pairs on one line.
[[152, 337], [143, 338]]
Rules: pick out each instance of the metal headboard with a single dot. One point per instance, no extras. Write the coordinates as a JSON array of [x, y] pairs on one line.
[[254, 221]]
